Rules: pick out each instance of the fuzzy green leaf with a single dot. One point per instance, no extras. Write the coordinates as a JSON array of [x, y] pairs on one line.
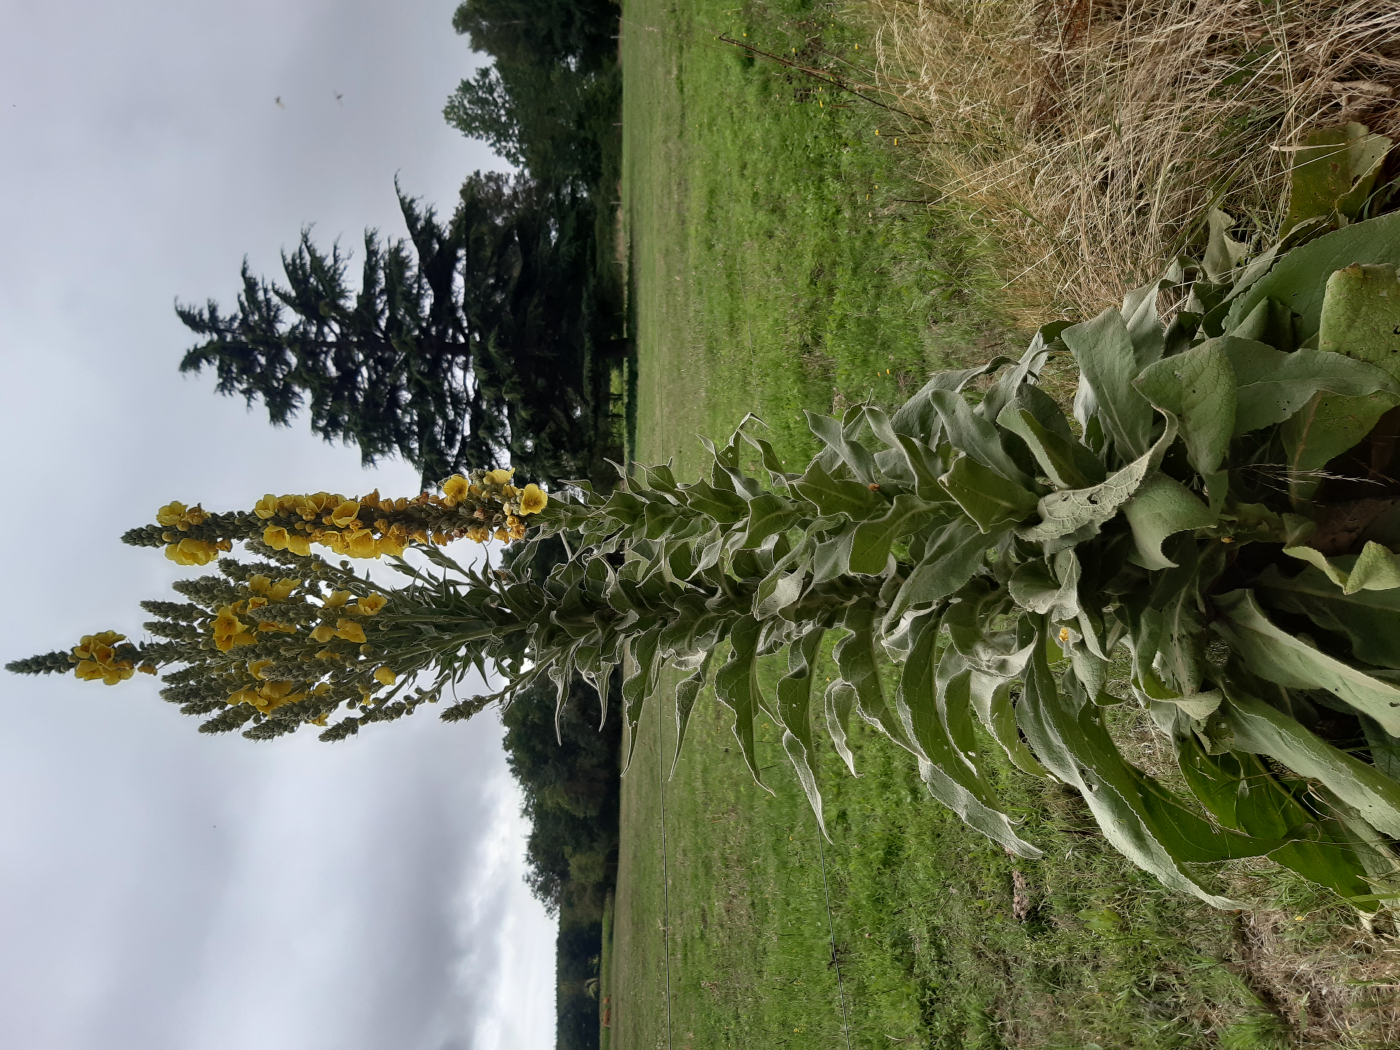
[[1108, 365], [1160, 508], [1277, 656], [1198, 387], [736, 686], [985, 496], [1264, 730]]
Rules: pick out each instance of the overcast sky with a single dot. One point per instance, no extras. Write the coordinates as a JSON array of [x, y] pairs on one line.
[[159, 888]]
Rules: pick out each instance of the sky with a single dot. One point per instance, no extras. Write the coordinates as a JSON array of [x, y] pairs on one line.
[[160, 888]]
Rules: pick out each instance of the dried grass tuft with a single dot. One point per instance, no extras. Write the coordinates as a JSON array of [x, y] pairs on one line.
[[1090, 137]]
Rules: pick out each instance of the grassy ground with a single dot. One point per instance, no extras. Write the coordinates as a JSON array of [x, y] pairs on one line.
[[762, 279]]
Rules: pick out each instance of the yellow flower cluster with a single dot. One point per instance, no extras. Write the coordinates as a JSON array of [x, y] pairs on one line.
[[97, 657], [186, 550], [495, 486], [337, 523]]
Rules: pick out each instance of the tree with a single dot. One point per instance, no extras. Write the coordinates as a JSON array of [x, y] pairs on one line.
[[466, 343], [383, 366], [549, 100]]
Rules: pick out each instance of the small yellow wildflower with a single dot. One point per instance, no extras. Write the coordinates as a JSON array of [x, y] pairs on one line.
[[386, 675], [192, 552], [257, 667], [298, 545], [455, 489], [346, 513], [336, 599], [533, 500], [266, 507], [323, 634], [369, 606], [227, 629], [275, 536], [500, 476], [479, 533], [259, 584], [350, 631], [502, 535], [362, 544], [268, 625]]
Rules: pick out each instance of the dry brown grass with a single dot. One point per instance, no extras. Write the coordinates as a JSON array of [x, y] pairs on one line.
[[1090, 137]]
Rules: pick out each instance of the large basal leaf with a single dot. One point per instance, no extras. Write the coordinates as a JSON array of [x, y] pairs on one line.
[[1277, 656], [1264, 730], [1370, 620], [842, 446], [975, 436], [950, 773], [1299, 278], [1160, 508], [919, 419], [1326, 427], [1273, 385], [1067, 463], [1198, 387], [985, 496], [1333, 172], [736, 685], [795, 715], [1241, 792], [1360, 315], [1108, 365], [1068, 512], [1375, 569], [1077, 750]]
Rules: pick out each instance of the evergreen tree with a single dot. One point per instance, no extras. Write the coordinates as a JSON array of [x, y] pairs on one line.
[[470, 342]]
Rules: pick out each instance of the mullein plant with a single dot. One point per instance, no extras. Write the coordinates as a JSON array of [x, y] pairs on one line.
[[1213, 536]]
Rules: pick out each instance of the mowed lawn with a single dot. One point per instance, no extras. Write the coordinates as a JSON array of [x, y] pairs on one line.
[[776, 265]]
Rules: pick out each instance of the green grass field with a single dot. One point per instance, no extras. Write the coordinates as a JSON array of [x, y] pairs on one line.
[[775, 265]]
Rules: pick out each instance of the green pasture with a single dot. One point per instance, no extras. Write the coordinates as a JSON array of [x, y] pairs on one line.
[[775, 264]]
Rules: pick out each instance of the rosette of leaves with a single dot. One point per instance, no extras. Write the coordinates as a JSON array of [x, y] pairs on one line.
[[1216, 521]]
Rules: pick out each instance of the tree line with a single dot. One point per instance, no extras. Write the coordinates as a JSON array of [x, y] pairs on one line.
[[491, 333]]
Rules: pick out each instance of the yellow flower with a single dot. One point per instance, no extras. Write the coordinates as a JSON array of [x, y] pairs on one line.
[[177, 515], [533, 500], [323, 634], [192, 552], [257, 667], [502, 535], [275, 536], [100, 643], [268, 625], [479, 533], [256, 603], [349, 630], [147, 668], [362, 544], [346, 513], [259, 584], [282, 589], [518, 529], [266, 507], [386, 675], [500, 477], [171, 514], [369, 606], [336, 599], [298, 545], [227, 628], [455, 488]]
